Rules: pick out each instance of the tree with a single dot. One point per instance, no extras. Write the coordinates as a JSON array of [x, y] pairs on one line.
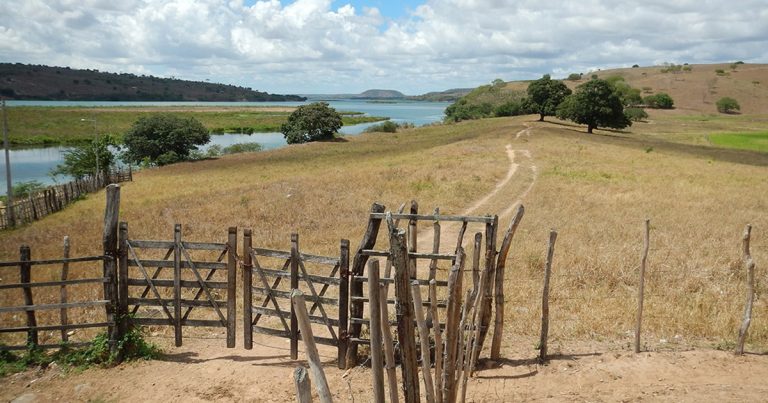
[[82, 160], [636, 114], [313, 122], [545, 94], [727, 105], [594, 104], [629, 96], [661, 100], [163, 139]]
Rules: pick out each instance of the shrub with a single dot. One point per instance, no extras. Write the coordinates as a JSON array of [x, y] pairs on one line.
[[635, 114], [634, 66], [574, 77], [727, 105], [659, 101], [720, 72], [512, 108], [242, 148], [85, 159], [163, 139], [313, 122], [384, 127]]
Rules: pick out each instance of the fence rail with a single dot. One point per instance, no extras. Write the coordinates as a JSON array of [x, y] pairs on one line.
[[55, 198]]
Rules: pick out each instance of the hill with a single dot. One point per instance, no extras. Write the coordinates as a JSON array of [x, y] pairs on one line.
[[380, 94], [442, 96], [22, 81]]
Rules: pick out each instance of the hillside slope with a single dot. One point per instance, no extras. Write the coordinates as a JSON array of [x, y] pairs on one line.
[[22, 81]]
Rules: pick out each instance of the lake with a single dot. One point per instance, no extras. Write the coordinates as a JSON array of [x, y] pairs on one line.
[[35, 163]]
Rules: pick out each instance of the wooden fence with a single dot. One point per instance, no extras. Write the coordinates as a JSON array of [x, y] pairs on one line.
[[55, 198]]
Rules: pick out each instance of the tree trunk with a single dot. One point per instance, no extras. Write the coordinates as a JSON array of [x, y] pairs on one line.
[[541, 117], [590, 128]]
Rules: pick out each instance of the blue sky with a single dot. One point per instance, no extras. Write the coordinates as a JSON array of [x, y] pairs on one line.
[[345, 46]]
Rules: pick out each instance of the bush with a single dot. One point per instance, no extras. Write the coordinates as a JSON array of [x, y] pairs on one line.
[[242, 148], [85, 159], [727, 105], [163, 139], [720, 72], [384, 127], [512, 108], [574, 77], [659, 101], [635, 114], [313, 122]]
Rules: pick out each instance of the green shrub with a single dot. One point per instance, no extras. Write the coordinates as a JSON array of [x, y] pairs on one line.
[[659, 101], [574, 77], [720, 72], [384, 127], [242, 148], [635, 114], [727, 105], [313, 122]]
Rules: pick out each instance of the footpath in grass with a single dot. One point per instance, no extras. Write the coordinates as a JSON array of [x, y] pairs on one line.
[[742, 141]]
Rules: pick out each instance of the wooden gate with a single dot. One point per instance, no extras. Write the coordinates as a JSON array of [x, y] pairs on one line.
[[197, 291], [442, 250], [263, 274]]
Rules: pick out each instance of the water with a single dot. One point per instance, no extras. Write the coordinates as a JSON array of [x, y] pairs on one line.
[[36, 163]]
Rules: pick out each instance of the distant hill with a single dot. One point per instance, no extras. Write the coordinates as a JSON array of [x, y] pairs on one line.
[[36, 82], [380, 94], [442, 96]]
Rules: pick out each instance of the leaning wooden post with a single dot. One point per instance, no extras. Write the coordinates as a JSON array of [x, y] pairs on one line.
[[749, 265], [377, 368], [389, 349], [63, 290], [438, 341], [641, 285], [421, 323], [109, 238], [25, 276], [452, 319], [501, 264], [356, 287], [545, 297], [315, 365], [404, 310], [294, 286], [231, 286], [247, 290], [123, 321], [303, 385], [343, 304], [412, 239], [491, 230], [477, 245], [177, 284]]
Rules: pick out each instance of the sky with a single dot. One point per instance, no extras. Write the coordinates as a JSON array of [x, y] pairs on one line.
[[348, 46]]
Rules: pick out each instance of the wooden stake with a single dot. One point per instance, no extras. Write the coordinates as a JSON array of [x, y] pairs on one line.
[[109, 242], [438, 341], [491, 230], [412, 239], [63, 290], [294, 286], [501, 264], [315, 365], [377, 368], [545, 297], [452, 327], [247, 290], [389, 350], [177, 284], [404, 309], [303, 385], [25, 277], [424, 339], [232, 286], [641, 285], [749, 265]]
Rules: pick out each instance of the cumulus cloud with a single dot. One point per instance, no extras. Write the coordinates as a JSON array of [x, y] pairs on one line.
[[307, 46]]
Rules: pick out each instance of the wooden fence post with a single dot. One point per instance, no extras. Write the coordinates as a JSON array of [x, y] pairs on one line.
[[343, 304], [749, 265], [418, 311], [641, 284], [63, 291], [491, 230], [294, 286], [501, 264], [452, 326], [412, 239], [404, 310], [109, 238], [232, 286], [356, 287], [377, 368], [303, 385], [26, 278], [389, 350], [123, 321], [247, 290], [545, 297], [438, 340], [315, 365], [177, 284]]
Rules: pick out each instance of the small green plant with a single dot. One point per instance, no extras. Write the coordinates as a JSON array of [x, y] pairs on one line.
[[574, 77], [636, 114], [242, 148], [384, 127], [727, 105], [720, 72]]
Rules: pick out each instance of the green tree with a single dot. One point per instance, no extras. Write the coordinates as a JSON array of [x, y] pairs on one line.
[[727, 105], [545, 94], [594, 104], [313, 122], [636, 114], [163, 139], [629, 96], [661, 100], [85, 159]]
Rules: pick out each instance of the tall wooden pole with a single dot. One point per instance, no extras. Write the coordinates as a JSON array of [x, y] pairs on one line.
[[8, 183], [641, 286], [545, 297], [749, 264]]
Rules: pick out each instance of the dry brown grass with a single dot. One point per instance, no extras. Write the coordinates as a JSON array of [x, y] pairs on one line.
[[595, 189]]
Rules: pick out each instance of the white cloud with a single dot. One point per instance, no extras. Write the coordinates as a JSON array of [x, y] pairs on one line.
[[324, 46]]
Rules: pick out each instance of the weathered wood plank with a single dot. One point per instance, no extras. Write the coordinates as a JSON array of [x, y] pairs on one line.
[[377, 365], [219, 285], [55, 327], [54, 261], [315, 365], [43, 307], [405, 317], [431, 217], [54, 283]]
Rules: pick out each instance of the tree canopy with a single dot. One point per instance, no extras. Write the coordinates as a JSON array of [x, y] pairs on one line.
[[163, 139], [545, 94], [661, 100], [727, 105], [86, 159], [316, 121], [594, 104]]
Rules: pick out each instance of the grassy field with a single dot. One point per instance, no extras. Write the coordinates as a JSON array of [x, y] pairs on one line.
[[57, 125], [596, 190], [742, 141]]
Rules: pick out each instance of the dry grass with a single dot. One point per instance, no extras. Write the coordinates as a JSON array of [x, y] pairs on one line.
[[595, 189]]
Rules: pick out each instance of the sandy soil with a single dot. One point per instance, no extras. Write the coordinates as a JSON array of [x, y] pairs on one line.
[[203, 370]]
